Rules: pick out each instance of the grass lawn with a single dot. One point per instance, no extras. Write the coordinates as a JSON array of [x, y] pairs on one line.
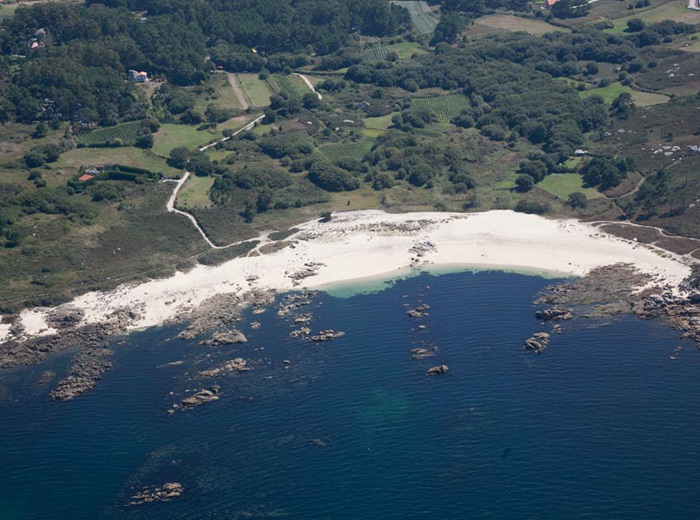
[[71, 160], [7, 11], [676, 11], [379, 123], [612, 91], [405, 50], [507, 22], [171, 136], [257, 91], [195, 192], [561, 184]]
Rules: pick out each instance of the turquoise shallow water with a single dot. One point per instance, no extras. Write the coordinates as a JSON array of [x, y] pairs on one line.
[[602, 425]]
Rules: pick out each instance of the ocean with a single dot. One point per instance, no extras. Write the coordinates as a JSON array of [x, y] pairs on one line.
[[601, 425]]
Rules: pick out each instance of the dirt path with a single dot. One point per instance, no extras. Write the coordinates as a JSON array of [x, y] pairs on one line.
[[309, 84], [170, 205], [233, 81]]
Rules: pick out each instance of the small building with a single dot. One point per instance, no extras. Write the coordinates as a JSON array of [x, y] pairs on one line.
[[138, 76], [550, 3], [694, 5], [85, 177]]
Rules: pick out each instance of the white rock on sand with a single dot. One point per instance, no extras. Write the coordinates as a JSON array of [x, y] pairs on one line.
[[372, 243]]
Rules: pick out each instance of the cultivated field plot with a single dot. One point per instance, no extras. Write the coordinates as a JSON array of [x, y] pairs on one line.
[[124, 131], [445, 108], [255, 89], [379, 123], [495, 23], [7, 11], [376, 53], [612, 91], [293, 86], [421, 15], [223, 94], [354, 150], [562, 184], [70, 161], [676, 11]]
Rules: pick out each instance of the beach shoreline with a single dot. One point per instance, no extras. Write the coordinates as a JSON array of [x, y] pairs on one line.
[[366, 245]]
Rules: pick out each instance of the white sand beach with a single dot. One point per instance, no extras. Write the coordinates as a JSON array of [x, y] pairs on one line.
[[373, 243]]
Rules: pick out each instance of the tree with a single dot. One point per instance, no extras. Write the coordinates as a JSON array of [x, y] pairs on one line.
[[179, 157], [622, 106], [635, 25], [310, 101], [248, 212], [326, 216], [577, 200], [40, 131], [450, 28], [524, 183]]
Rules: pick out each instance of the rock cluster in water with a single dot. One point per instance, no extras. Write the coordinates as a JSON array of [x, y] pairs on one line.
[[150, 494], [328, 335], [537, 342], [554, 314], [201, 397], [438, 370]]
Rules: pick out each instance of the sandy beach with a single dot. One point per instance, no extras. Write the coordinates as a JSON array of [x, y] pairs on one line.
[[358, 245]]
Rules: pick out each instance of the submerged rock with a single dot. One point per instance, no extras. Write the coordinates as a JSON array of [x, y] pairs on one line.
[[201, 397], [328, 335], [555, 314], [150, 494], [226, 338]]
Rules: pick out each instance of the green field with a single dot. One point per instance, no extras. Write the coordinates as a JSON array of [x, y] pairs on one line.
[[171, 136], [195, 192], [379, 123], [405, 50], [256, 90], [70, 161], [612, 91], [494, 23], [561, 184], [421, 15], [7, 11], [445, 108], [124, 131], [376, 53], [676, 11], [355, 150]]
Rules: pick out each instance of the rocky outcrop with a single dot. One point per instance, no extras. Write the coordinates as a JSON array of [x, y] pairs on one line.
[[681, 312], [537, 342], [86, 371], [310, 269], [65, 317], [328, 335], [554, 314], [231, 337], [164, 493], [298, 333], [438, 370], [234, 365], [422, 352], [419, 311], [201, 397]]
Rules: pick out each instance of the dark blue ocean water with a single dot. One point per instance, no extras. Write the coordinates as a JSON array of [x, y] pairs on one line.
[[603, 425]]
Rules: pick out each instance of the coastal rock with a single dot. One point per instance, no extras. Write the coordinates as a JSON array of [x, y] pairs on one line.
[[438, 370], [328, 335], [537, 342], [554, 314], [423, 352], [234, 365], [201, 397], [418, 311], [150, 494], [226, 338], [303, 331], [65, 317]]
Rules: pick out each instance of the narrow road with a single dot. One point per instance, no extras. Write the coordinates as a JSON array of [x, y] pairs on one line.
[[240, 95], [170, 205], [309, 84]]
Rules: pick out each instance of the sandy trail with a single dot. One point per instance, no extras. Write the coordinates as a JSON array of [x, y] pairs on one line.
[[309, 84], [372, 243], [240, 95]]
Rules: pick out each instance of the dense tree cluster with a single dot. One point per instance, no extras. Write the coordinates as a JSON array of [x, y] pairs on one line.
[[76, 56]]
